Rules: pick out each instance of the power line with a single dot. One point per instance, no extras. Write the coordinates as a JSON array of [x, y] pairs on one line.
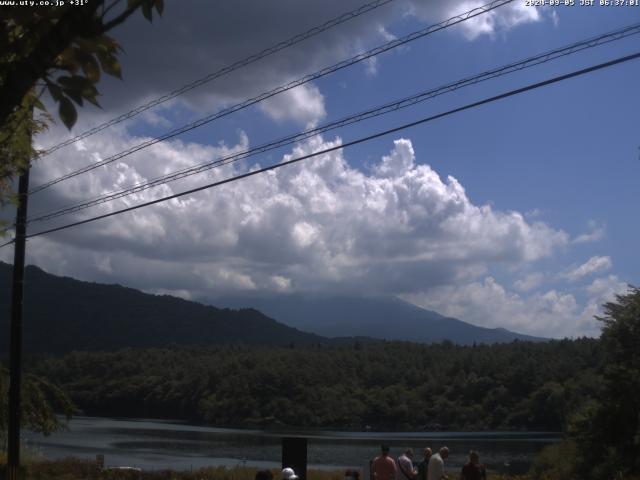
[[405, 126], [301, 81], [371, 113], [223, 71]]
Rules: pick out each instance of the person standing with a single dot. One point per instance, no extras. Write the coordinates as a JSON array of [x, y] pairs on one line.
[[473, 470], [405, 465], [289, 474], [384, 466], [435, 470], [264, 475], [422, 466]]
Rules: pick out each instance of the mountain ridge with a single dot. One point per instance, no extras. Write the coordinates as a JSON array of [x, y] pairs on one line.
[[62, 314], [387, 318]]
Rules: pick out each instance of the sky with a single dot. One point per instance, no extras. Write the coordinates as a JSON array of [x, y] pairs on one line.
[[518, 214]]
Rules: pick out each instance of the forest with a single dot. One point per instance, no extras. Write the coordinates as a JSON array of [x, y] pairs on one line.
[[386, 385], [586, 388]]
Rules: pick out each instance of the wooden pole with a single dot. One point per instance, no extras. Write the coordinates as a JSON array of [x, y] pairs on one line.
[[294, 455], [15, 347]]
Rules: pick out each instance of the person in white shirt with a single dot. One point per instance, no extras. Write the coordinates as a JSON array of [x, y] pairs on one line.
[[405, 465], [435, 470]]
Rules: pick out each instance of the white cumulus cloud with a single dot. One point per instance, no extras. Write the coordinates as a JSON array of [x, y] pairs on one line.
[[321, 225], [487, 303], [498, 20], [593, 265], [529, 282], [596, 232], [303, 104], [604, 289]]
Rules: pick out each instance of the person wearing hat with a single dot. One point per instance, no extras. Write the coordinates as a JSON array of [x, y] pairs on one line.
[[289, 474]]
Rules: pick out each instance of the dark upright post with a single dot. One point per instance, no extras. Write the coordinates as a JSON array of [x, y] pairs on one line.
[[294, 455], [15, 347]]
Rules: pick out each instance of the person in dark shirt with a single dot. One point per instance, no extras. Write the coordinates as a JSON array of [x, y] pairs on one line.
[[264, 475], [473, 470], [423, 465]]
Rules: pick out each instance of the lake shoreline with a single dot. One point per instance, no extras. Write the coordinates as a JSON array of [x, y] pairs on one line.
[[332, 432], [151, 444]]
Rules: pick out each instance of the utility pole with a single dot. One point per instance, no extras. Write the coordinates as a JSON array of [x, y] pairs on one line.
[[15, 348]]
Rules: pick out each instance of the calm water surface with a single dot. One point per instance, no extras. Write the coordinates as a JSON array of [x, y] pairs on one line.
[[155, 444]]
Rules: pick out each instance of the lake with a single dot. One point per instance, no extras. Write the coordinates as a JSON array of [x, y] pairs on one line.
[[157, 444]]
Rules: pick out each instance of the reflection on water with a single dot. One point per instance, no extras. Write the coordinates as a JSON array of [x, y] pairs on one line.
[[167, 444]]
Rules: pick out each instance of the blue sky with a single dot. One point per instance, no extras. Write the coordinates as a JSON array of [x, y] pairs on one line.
[[532, 231]]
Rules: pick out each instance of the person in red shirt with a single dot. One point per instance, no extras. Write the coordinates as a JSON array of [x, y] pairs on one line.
[[384, 466]]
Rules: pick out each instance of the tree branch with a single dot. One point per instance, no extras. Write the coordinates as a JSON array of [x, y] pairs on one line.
[[120, 18], [74, 23]]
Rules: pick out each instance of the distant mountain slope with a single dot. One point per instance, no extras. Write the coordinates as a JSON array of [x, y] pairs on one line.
[[62, 314], [378, 317]]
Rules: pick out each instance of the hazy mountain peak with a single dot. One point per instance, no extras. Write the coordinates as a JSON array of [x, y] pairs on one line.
[[384, 317]]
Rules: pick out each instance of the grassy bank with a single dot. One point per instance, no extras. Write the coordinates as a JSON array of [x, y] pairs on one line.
[[76, 469]]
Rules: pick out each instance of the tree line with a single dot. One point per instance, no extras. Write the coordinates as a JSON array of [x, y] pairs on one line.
[[386, 385]]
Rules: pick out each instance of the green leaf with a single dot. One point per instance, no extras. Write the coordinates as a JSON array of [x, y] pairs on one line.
[[159, 6], [92, 99], [92, 70], [39, 105], [146, 10], [67, 112], [68, 60], [107, 44], [87, 44], [109, 63], [75, 95], [75, 82], [55, 91], [78, 87], [89, 65]]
